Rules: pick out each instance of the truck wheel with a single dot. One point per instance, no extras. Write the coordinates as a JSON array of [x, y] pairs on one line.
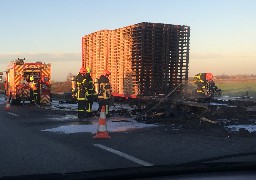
[[14, 102]]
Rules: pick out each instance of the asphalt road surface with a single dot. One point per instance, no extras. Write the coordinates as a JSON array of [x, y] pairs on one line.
[[28, 146]]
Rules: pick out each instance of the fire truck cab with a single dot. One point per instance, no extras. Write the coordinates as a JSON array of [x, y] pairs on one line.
[[20, 77]]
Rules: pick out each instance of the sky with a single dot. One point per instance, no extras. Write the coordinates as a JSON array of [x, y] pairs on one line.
[[222, 39]]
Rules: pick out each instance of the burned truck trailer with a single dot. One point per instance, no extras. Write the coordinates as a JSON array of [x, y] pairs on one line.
[[145, 59]]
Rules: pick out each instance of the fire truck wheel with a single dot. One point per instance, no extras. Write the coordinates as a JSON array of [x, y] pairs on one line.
[[15, 102]]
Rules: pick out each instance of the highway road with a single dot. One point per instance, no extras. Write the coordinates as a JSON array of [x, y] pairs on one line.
[[34, 140]]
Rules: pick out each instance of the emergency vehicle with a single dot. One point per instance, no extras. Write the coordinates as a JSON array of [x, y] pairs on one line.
[[21, 76]]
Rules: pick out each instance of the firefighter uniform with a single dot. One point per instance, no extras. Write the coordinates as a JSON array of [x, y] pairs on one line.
[[206, 85], [33, 90], [104, 94], [90, 91], [81, 92]]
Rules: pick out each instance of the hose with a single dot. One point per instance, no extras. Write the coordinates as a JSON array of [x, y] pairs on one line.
[[164, 98]]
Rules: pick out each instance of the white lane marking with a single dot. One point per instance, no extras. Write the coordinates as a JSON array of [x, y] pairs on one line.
[[136, 160], [12, 114]]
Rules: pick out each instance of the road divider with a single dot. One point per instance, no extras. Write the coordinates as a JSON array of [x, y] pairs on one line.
[[119, 153], [12, 114]]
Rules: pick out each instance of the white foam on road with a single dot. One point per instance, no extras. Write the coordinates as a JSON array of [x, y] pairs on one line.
[[2, 100], [250, 128], [219, 104], [92, 128], [56, 105], [233, 98], [67, 117]]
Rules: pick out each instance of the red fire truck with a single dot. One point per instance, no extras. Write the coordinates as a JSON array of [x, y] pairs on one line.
[[18, 81]]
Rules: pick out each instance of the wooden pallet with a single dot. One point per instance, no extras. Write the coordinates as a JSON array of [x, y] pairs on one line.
[[144, 59]]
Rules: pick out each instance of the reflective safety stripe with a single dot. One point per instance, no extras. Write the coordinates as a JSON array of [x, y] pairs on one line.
[[81, 98], [102, 115], [106, 109], [102, 128], [80, 110], [45, 99], [89, 108]]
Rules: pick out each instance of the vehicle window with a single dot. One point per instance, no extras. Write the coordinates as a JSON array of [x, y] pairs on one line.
[[110, 88]]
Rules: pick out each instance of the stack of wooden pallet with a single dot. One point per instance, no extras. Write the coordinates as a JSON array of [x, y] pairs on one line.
[[144, 59]]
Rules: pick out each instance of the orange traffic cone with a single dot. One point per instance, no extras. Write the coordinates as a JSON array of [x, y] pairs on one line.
[[102, 126], [7, 105]]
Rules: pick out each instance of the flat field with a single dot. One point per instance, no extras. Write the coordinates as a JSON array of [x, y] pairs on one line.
[[237, 87], [232, 87]]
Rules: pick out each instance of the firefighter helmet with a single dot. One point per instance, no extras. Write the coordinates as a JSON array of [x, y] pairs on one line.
[[88, 70], [31, 78], [83, 70], [106, 72]]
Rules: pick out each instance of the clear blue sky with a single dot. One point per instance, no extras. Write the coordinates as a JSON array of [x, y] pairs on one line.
[[222, 31]]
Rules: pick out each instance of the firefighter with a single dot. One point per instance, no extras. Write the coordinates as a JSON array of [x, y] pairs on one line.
[[104, 94], [81, 92], [90, 93], [33, 90], [5, 85]]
